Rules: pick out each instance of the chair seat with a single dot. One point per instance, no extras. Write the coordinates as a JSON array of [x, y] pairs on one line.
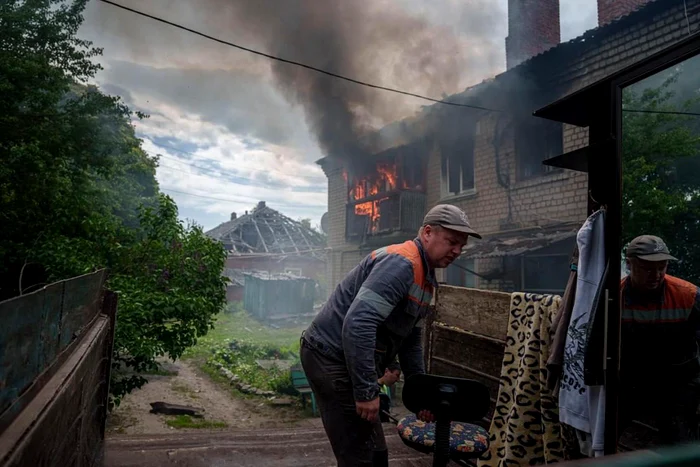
[[466, 440]]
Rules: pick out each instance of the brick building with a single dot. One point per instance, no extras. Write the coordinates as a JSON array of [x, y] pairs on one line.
[[490, 162]]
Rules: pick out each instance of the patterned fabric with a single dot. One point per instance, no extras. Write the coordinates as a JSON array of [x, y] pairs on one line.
[[525, 428], [465, 438]]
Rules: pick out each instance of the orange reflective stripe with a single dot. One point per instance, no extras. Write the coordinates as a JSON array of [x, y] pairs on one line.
[[409, 250], [679, 300]]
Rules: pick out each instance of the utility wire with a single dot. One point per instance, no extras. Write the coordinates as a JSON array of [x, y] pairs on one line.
[[292, 62], [667, 112]]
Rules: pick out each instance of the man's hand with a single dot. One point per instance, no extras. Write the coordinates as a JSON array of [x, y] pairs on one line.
[[390, 377], [426, 416], [368, 410]]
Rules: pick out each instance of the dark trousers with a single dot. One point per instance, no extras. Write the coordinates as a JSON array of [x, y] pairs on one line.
[[672, 404], [355, 442]]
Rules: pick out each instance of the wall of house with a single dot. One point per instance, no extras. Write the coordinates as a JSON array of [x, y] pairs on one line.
[[638, 37], [234, 293], [610, 10]]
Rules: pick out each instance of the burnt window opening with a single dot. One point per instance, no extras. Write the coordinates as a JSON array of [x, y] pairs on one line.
[[537, 140], [457, 163], [387, 196]]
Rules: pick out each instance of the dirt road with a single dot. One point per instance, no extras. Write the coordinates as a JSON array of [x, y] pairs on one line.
[[283, 448], [255, 434], [190, 386]]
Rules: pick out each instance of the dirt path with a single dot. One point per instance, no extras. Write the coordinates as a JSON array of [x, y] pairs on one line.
[[192, 387]]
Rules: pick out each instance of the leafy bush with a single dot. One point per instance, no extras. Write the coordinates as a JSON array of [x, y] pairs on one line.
[[239, 356]]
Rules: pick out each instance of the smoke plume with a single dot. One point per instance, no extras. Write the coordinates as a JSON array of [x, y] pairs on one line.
[[361, 39], [434, 49]]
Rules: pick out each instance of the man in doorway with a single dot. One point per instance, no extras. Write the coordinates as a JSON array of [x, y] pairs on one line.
[[659, 365], [374, 316]]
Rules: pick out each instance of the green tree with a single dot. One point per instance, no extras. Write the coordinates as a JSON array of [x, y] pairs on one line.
[[661, 187], [78, 193], [170, 288]]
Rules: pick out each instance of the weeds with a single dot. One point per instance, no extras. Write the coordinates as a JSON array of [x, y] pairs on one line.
[[185, 421]]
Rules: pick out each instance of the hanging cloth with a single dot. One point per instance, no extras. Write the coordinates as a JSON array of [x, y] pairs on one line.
[[560, 326], [525, 429], [583, 407]]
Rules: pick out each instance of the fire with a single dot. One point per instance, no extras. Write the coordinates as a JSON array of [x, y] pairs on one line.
[[370, 209], [384, 179]]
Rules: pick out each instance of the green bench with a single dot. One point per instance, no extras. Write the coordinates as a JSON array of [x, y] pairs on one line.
[[301, 384]]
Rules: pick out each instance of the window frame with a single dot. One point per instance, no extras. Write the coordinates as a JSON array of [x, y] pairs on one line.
[[533, 133]]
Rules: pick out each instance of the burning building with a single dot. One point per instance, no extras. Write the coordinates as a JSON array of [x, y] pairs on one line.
[[507, 169]]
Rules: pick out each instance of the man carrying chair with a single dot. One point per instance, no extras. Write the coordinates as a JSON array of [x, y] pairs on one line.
[[374, 316]]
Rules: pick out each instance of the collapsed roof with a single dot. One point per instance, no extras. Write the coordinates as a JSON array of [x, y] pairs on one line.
[[265, 231]]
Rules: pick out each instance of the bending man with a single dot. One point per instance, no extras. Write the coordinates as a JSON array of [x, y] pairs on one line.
[[374, 316]]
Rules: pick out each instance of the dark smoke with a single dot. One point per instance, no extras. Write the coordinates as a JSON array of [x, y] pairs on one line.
[[360, 39], [431, 48]]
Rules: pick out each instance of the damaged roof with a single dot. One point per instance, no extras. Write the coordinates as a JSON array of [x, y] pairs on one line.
[[266, 231], [500, 246]]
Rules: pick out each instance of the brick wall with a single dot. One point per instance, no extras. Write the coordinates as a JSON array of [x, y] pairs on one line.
[[635, 37], [533, 27], [610, 10], [556, 197]]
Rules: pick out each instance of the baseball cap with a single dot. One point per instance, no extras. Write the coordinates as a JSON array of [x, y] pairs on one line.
[[450, 217], [649, 248]]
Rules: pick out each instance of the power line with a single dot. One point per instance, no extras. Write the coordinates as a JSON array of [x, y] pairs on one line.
[[299, 64], [666, 112]]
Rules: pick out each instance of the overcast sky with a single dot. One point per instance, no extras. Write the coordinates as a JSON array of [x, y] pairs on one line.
[[234, 130]]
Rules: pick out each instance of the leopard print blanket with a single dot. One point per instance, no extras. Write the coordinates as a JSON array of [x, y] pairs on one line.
[[525, 428]]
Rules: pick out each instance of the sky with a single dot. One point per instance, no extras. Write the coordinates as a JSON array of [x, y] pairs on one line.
[[234, 128]]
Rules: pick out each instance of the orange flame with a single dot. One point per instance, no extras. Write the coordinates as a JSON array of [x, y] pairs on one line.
[[384, 179]]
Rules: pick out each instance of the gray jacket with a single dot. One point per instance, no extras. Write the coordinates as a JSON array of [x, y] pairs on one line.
[[375, 315]]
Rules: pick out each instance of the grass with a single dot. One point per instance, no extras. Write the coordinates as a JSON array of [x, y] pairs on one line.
[[185, 421], [237, 341], [239, 325]]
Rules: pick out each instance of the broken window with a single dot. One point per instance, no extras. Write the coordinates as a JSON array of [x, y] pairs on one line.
[[457, 160], [536, 140]]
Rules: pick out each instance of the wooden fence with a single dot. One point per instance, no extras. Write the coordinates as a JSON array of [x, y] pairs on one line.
[[55, 361]]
